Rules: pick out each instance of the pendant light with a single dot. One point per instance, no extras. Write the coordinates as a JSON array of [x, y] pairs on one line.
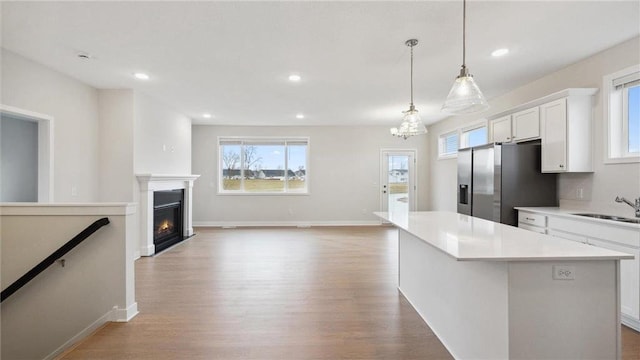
[[465, 96], [411, 124]]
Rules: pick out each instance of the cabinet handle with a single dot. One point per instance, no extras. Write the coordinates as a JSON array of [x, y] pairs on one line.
[[561, 166], [529, 218]]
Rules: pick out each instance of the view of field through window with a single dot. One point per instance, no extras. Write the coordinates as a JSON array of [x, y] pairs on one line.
[[263, 166]]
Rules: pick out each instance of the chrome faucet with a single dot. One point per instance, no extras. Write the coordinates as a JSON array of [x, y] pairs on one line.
[[635, 206]]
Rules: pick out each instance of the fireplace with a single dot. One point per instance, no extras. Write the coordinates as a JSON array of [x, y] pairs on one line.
[[167, 218], [149, 185]]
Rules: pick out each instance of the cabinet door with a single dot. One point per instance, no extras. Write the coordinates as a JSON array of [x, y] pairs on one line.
[[539, 230], [629, 278], [526, 124], [501, 129], [553, 118], [567, 236]]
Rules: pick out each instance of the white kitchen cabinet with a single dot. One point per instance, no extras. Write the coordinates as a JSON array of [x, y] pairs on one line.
[[501, 129], [562, 120], [629, 278], [566, 134], [520, 126], [525, 124], [605, 234]]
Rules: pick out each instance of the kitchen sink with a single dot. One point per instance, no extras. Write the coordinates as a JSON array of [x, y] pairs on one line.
[[611, 217]]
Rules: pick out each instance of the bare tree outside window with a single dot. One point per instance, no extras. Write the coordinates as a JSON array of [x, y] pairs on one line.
[[230, 159]]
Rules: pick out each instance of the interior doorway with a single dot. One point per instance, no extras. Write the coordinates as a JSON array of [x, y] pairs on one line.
[[26, 156], [398, 181]]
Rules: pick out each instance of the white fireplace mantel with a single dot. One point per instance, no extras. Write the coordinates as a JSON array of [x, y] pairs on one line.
[[157, 182]]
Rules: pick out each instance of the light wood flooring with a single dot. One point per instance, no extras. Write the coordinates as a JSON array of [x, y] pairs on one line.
[[275, 293]]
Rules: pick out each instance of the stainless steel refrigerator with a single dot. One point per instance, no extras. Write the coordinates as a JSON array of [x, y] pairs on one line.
[[495, 178]]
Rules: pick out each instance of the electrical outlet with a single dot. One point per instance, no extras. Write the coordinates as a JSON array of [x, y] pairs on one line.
[[563, 272], [580, 193], [74, 191]]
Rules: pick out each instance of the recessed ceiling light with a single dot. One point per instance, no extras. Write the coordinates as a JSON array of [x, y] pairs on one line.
[[500, 52], [206, 116], [84, 55], [299, 116], [141, 76], [294, 77]]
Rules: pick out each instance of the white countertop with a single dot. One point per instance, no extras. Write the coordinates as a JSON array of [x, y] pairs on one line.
[[467, 238], [570, 213]]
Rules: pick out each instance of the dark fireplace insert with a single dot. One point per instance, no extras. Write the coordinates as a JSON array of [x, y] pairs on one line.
[[167, 218]]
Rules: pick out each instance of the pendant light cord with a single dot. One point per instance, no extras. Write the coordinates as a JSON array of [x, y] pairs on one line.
[[464, 33], [411, 75]]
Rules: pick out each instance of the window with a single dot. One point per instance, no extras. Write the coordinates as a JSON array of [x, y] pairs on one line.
[[473, 136], [263, 165], [622, 97], [448, 145]]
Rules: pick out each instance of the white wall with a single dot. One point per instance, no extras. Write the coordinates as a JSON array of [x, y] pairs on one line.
[[162, 138], [19, 164], [601, 186], [344, 176], [64, 304], [116, 178], [30, 86]]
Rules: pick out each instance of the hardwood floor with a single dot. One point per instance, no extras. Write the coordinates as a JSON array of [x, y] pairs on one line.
[[275, 293]]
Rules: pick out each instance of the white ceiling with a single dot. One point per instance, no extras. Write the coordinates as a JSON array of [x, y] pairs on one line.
[[232, 59]]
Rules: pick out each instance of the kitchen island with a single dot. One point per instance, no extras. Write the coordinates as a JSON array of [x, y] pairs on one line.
[[493, 291]]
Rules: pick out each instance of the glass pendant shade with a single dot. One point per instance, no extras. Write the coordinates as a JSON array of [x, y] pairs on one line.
[[465, 96], [411, 124]]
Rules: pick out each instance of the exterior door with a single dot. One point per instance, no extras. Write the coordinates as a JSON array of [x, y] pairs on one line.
[[398, 185]]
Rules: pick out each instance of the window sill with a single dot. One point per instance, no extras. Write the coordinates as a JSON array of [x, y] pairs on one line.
[[229, 193], [447, 157], [622, 160]]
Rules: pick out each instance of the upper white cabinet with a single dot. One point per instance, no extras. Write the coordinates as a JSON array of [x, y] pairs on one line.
[[526, 124], [566, 135], [519, 126], [562, 121], [554, 136], [501, 129]]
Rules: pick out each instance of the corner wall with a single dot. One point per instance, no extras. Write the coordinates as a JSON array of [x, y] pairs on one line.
[[116, 176], [344, 176], [599, 187]]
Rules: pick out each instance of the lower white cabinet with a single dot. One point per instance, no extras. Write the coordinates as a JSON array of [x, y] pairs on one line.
[[607, 235], [629, 279]]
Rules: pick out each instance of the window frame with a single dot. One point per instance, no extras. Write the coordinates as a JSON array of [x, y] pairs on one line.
[[464, 142], [459, 132], [616, 117], [442, 142], [267, 139]]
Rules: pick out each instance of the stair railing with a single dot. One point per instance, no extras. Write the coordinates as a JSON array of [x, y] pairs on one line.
[[56, 255]]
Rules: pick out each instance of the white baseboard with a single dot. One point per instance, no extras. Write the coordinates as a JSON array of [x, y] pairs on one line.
[[81, 335], [124, 315], [116, 314], [232, 224], [630, 322], [147, 250]]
